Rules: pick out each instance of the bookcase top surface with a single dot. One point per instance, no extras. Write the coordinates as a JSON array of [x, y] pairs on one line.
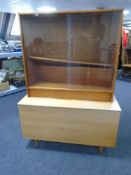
[[74, 11]]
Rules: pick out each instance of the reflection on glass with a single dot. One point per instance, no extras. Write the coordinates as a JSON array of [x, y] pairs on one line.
[[71, 50]]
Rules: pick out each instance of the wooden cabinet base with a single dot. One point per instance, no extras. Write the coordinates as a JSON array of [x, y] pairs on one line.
[[70, 121]]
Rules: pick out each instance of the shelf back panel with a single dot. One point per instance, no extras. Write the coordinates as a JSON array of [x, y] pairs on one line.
[[85, 76]]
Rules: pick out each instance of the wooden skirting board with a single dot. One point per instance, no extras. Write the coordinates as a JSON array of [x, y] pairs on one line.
[[70, 121]]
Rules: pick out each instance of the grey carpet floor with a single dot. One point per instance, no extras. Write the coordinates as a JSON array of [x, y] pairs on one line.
[[20, 157]]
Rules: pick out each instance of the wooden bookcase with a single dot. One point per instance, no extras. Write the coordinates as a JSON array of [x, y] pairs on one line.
[[71, 55]]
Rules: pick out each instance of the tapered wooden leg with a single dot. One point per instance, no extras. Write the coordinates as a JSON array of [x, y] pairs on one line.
[[35, 142], [123, 75], [100, 149]]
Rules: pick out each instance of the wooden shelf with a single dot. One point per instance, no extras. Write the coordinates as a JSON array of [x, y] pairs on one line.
[[72, 63], [126, 65], [70, 87]]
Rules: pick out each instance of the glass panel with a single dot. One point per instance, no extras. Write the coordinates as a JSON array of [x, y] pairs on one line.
[[94, 43], [71, 50], [45, 38]]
